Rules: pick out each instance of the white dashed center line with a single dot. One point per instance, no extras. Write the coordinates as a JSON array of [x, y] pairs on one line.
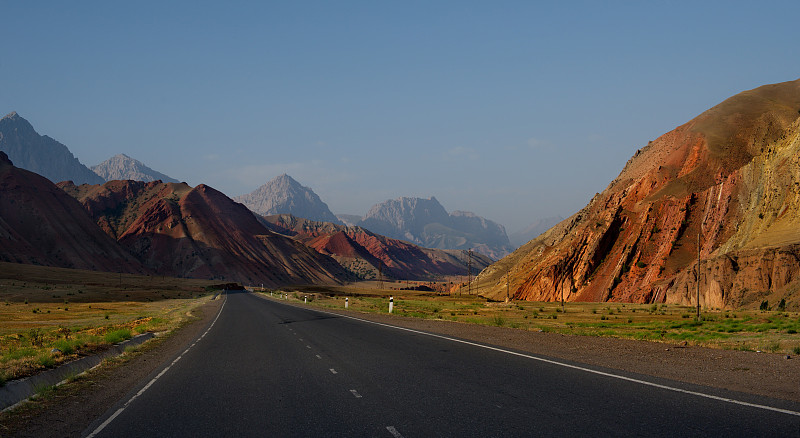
[[394, 432], [333, 371], [355, 393]]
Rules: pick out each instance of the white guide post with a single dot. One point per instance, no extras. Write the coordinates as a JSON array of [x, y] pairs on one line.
[[391, 304], [346, 303]]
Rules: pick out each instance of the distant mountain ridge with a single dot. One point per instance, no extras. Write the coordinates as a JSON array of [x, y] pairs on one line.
[[123, 167], [368, 255], [425, 222], [284, 195], [40, 153]]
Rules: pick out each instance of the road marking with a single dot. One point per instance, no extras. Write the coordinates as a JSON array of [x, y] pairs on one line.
[[150, 383], [319, 357], [308, 346], [394, 432], [355, 393], [577, 367], [333, 371]]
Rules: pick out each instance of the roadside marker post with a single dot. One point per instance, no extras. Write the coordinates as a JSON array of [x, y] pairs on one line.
[[346, 303], [391, 304], [305, 300]]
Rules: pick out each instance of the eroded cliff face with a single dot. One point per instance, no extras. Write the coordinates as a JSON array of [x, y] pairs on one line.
[[730, 177]]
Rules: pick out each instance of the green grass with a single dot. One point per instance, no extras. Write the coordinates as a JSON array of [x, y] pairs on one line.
[[117, 336]]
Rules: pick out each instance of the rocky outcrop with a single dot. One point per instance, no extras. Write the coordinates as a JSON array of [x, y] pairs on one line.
[[368, 255], [425, 222], [284, 195], [122, 167], [198, 232], [42, 225], [731, 176], [40, 153]]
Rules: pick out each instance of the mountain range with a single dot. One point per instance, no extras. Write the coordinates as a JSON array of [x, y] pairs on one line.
[[369, 256], [40, 153], [122, 167], [425, 222], [725, 185]]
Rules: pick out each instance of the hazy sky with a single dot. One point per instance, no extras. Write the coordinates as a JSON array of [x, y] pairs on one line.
[[513, 110]]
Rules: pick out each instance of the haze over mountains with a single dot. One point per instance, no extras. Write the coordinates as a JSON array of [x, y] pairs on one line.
[[122, 167], [730, 176], [40, 153]]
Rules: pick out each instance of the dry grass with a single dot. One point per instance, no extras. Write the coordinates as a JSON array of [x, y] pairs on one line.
[[80, 312], [769, 331]]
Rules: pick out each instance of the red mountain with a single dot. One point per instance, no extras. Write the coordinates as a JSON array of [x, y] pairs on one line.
[[199, 232], [364, 253], [40, 224], [731, 176]]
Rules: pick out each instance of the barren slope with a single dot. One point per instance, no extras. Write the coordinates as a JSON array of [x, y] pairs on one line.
[[731, 175]]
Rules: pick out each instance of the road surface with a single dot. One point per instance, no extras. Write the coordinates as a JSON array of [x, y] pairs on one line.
[[265, 368]]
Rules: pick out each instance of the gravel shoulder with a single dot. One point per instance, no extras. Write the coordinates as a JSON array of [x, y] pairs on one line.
[[69, 409]]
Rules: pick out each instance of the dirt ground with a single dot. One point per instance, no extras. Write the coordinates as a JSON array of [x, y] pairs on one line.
[[71, 408]]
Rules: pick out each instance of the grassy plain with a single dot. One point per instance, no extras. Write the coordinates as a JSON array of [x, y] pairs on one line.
[[80, 312], [772, 331]]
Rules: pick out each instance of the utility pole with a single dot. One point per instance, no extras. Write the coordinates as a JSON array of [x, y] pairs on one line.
[[508, 284], [469, 272], [698, 277], [380, 275]]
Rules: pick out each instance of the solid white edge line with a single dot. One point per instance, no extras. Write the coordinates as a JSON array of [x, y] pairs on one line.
[[575, 367], [394, 432], [150, 383]]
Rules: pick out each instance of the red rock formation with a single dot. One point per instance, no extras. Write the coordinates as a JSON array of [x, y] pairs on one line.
[[199, 232], [731, 175], [40, 224], [363, 251]]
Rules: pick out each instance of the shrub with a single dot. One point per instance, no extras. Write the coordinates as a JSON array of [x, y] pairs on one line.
[[764, 305], [641, 264], [498, 321], [782, 305]]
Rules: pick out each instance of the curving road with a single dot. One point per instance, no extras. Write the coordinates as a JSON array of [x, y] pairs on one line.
[[265, 368]]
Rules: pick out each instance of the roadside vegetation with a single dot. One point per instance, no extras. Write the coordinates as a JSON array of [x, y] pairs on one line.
[[757, 329], [49, 316]]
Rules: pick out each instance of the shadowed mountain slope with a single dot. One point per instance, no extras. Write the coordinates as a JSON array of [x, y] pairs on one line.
[[364, 252], [199, 232], [731, 176], [42, 225], [40, 153]]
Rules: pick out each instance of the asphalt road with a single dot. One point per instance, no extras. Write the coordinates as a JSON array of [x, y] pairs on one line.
[[269, 369]]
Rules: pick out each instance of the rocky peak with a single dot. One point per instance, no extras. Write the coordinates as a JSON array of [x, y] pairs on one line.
[[40, 153], [284, 195], [123, 167]]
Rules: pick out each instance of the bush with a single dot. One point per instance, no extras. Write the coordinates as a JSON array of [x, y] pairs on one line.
[[641, 264], [498, 321], [782, 305], [764, 305]]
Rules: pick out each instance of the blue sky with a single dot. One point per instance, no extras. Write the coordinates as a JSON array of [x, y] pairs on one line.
[[512, 110]]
